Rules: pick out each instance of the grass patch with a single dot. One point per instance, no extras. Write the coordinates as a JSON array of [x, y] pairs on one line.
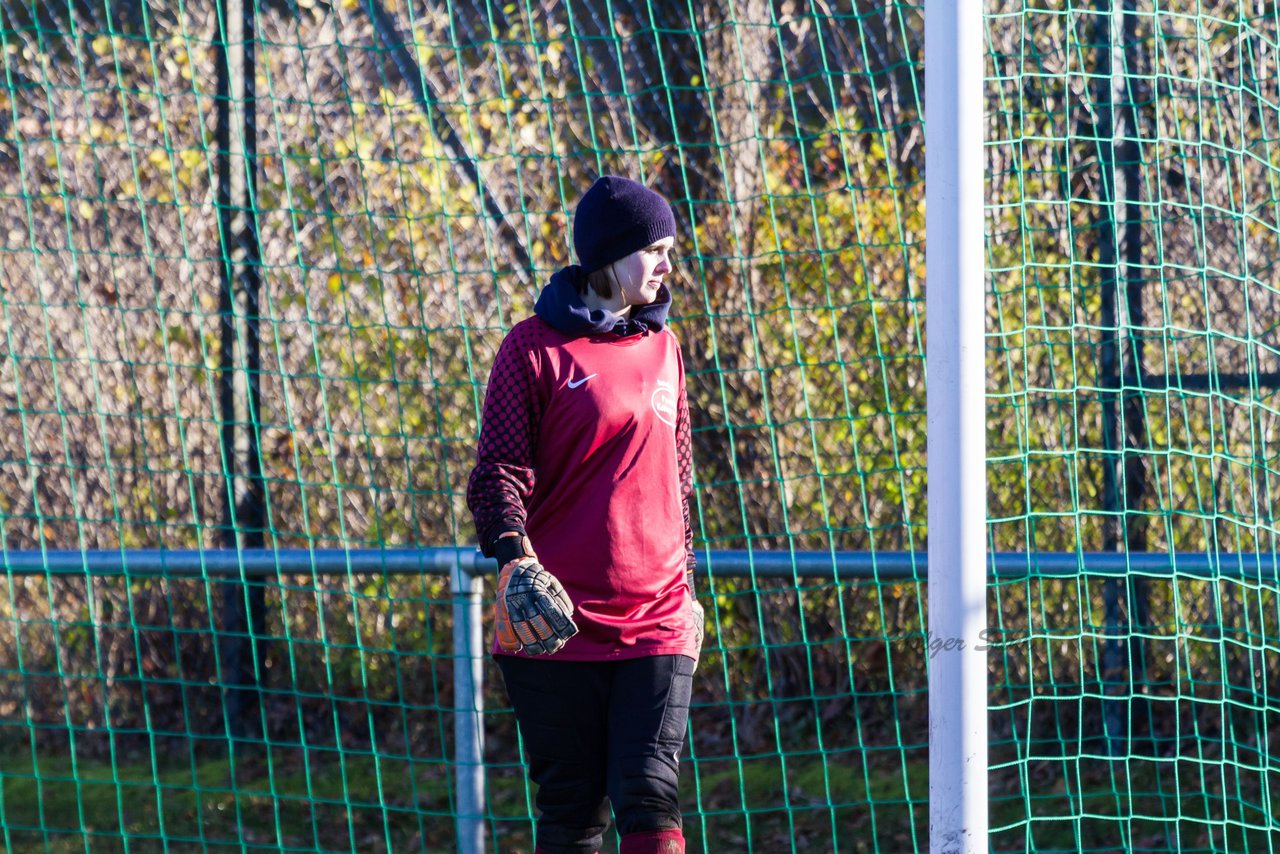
[[332, 802], [848, 801]]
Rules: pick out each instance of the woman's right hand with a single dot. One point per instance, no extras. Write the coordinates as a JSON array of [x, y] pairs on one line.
[[535, 615]]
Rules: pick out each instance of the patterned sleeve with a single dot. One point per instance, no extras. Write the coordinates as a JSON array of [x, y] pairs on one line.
[[503, 479], [684, 458]]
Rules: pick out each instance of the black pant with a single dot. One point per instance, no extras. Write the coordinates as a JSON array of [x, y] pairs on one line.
[[601, 732]]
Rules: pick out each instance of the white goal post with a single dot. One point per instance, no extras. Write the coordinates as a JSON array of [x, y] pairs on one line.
[[954, 354]]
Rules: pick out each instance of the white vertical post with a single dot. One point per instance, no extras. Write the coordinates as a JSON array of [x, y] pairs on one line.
[[468, 701], [955, 299]]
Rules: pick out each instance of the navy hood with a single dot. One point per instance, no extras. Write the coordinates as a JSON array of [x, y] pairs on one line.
[[561, 306]]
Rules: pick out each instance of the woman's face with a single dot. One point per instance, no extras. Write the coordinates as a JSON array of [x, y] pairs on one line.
[[639, 275]]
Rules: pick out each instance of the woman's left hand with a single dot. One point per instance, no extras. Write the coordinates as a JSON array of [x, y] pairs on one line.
[[699, 624]]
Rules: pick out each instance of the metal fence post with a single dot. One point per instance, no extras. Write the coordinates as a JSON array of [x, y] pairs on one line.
[[468, 702]]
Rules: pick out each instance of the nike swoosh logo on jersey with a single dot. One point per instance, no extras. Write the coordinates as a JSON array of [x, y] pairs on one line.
[[575, 384]]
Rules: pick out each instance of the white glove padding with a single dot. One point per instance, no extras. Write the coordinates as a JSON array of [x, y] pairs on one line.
[[699, 625], [534, 613]]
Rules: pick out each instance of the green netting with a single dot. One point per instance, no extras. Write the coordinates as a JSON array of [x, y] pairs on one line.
[[1132, 225], [412, 168]]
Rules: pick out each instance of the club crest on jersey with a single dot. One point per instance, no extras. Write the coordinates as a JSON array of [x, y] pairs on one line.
[[664, 403]]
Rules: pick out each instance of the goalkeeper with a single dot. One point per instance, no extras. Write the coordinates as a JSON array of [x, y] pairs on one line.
[[581, 492]]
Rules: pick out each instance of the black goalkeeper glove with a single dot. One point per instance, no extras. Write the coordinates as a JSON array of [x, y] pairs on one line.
[[534, 613]]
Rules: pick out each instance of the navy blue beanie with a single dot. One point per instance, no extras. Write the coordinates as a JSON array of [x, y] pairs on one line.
[[616, 217]]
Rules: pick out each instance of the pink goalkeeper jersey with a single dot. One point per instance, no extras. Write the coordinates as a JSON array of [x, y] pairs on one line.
[[590, 435]]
